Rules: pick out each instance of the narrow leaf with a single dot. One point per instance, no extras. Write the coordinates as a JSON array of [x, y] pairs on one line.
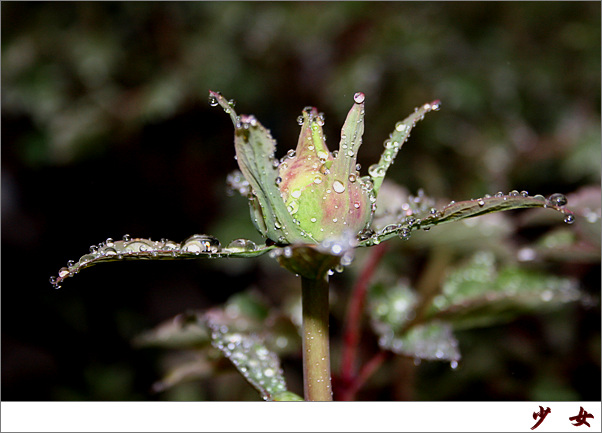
[[255, 149], [397, 138], [456, 211], [193, 247]]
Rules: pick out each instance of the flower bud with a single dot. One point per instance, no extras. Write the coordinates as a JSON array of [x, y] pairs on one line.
[[312, 195], [323, 192]]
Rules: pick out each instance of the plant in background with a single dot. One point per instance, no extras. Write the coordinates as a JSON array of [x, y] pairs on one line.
[[314, 209]]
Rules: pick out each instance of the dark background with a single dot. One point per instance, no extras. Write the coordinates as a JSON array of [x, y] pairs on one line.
[[106, 130]]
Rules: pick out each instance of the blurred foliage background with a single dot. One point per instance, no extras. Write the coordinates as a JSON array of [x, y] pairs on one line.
[[106, 130]]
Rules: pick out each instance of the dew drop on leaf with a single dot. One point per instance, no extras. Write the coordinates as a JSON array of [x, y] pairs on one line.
[[558, 199], [200, 244], [359, 97]]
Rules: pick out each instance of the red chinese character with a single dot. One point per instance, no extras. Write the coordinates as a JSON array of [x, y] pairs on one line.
[[542, 414], [581, 418]]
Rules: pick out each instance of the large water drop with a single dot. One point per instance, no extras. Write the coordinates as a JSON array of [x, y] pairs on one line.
[[200, 244], [558, 199], [359, 97]]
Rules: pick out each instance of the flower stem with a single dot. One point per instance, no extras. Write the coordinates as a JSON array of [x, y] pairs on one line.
[[316, 352]]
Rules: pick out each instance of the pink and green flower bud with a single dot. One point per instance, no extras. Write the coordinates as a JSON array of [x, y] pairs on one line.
[[324, 192], [312, 195]]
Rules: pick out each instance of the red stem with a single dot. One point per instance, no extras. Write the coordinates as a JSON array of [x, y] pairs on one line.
[[366, 371], [354, 313]]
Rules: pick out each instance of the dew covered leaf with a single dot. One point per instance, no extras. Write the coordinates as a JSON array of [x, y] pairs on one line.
[[431, 341], [391, 308], [480, 293], [415, 215], [255, 150], [253, 360], [396, 139], [193, 247], [236, 330]]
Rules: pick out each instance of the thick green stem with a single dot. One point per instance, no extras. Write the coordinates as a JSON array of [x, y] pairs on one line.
[[316, 348]]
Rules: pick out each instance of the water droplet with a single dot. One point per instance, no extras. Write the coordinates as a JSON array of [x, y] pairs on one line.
[[321, 119], [453, 365], [365, 234], [200, 244], [338, 187], [53, 280], [296, 193], [278, 180], [436, 105], [376, 170], [293, 207], [126, 238], [400, 127], [242, 245], [524, 193], [291, 153], [300, 120], [513, 193], [569, 219], [481, 202], [404, 234], [558, 199], [213, 101], [359, 97], [93, 248], [356, 204], [317, 179]]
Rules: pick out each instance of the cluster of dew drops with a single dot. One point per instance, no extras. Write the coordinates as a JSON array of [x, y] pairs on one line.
[[409, 222], [130, 247]]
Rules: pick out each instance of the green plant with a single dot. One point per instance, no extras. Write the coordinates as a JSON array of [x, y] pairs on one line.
[[314, 209]]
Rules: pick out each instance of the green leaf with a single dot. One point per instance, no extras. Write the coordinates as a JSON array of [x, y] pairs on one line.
[[396, 139], [252, 359], [432, 341], [391, 308], [193, 247], [480, 294], [255, 149], [419, 218]]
